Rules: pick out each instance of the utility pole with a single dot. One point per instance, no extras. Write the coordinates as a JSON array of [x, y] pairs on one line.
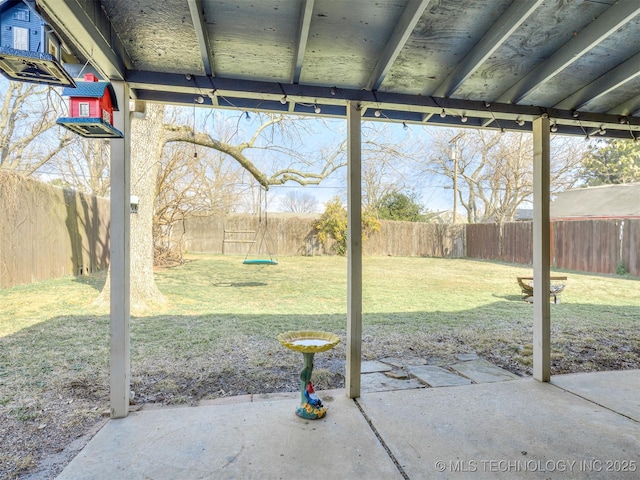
[[454, 156], [455, 181]]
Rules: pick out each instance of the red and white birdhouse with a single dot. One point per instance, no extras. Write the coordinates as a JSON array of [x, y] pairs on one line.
[[91, 107]]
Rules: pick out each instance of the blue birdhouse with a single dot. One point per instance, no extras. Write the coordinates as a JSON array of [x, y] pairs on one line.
[[91, 107], [29, 52]]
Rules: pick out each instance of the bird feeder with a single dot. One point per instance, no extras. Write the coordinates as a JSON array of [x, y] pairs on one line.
[[30, 51], [33, 67], [91, 106], [135, 201]]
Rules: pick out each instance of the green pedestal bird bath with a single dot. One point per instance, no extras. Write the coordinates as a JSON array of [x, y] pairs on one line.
[[309, 342]]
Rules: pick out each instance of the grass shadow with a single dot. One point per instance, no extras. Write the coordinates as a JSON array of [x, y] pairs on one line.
[[510, 298], [56, 373], [71, 347], [96, 280]]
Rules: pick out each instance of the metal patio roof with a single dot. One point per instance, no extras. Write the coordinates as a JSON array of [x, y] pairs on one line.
[[492, 63]]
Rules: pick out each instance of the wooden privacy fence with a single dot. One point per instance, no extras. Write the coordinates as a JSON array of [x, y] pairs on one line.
[[49, 232], [413, 239], [598, 246], [233, 235], [294, 235], [509, 242]]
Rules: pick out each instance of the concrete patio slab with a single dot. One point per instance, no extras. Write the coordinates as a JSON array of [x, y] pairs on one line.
[[618, 390], [235, 441], [379, 382], [401, 362], [465, 357], [438, 361], [518, 429], [370, 366], [482, 371], [437, 376]]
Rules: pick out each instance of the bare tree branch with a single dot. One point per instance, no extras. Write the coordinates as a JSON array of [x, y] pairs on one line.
[[28, 115], [299, 202], [175, 133], [330, 164]]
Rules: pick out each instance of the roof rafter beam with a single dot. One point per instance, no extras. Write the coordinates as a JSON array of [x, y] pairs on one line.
[[502, 29], [627, 108], [102, 48], [250, 94], [603, 26], [602, 85], [200, 26], [408, 20], [304, 24], [566, 124], [426, 117]]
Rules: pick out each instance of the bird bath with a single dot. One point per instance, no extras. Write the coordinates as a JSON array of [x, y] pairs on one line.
[[309, 343]]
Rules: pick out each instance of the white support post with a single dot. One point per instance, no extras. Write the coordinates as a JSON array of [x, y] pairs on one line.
[[541, 251], [354, 252], [120, 366]]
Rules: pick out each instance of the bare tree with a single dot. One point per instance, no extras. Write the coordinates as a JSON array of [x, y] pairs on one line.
[[392, 159], [191, 181], [493, 172], [387, 162], [299, 202], [146, 151], [84, 165], [29, 136]]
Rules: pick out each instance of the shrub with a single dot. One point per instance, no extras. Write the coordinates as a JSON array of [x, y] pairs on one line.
[[400, 206], [332, 224]]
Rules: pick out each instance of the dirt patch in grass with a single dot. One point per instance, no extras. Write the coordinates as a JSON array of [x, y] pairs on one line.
[[42, 437]]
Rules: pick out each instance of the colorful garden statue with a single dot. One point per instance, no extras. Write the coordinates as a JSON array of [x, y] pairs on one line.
[[309, 343], [310, 405], [310, 395]]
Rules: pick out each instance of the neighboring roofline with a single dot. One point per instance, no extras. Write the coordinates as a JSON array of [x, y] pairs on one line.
[[608, 185], [618, 201], [601, 217]]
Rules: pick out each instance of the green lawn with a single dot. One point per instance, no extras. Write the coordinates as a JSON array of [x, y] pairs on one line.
[[216, 335]]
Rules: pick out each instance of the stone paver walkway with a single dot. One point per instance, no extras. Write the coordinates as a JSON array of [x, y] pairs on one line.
[[393, 373]]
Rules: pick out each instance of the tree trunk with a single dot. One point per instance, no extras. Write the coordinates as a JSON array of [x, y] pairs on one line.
[[146, 149]]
